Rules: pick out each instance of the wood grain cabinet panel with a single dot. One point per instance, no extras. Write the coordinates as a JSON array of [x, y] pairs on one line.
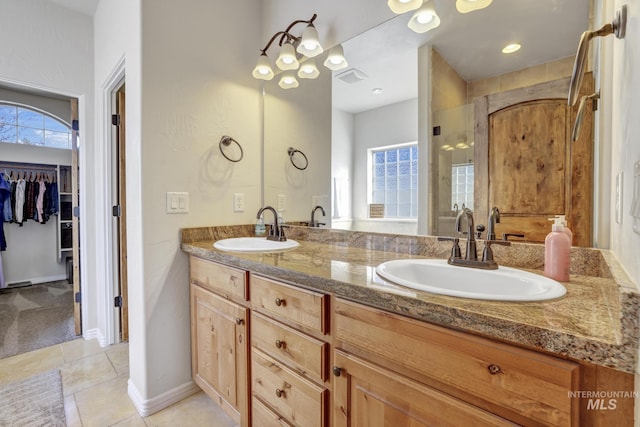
[[262, 416], [367, 395], [227, 281], [521, 385], [303, 353], [298, 400], [304, 308], [219, 351]]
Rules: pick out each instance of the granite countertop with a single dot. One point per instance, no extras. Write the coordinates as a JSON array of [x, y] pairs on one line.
[[596, 321]]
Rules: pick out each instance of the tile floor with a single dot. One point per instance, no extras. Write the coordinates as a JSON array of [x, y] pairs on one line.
[[94, 383]]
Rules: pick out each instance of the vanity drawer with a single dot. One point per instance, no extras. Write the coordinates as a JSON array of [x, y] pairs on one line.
[[304, 308], [300, 401], [521, 385], [216, 277], [295, 349], [265, 417]]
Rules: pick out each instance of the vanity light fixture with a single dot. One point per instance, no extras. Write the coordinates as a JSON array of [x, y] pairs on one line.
[[402, 6], [336, 60], [465, 6], [425, 18], [307, 45], [510, 48]]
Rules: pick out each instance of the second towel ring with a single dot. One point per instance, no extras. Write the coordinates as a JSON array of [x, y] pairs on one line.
[[298, 161], [226, 142]]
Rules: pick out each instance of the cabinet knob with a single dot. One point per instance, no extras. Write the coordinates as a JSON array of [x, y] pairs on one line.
[[280, 344], [494, 369], [337, 371], [239, 321], [280, 393], [280, 302]]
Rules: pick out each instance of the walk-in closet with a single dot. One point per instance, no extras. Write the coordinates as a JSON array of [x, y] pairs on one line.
[[38, 193]]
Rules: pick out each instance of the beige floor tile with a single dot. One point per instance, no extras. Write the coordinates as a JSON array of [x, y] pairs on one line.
[[27, 364], [118, 354], [71, 412], [77, 349], [196, 410], [105, 404], [132, 421], [86, 372]]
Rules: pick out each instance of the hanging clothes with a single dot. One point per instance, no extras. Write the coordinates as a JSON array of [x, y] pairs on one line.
[[5, 192], [20, 201], [40, 201], [7, 207]]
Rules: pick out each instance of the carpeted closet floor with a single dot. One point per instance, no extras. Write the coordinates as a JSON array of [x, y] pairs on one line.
[[35, 316]]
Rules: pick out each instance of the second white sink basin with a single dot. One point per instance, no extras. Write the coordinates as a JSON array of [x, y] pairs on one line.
[[438, 277], [253, 244]]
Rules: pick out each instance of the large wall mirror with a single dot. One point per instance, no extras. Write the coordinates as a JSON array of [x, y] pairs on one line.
[[391, 139]]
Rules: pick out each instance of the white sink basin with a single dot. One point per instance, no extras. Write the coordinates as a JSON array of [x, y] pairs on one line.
[[253, 244], [438, 277]]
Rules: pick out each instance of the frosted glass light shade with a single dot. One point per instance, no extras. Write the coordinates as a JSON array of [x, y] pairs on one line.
[[402, 6], [263, 70], [308, 70], [288, 81], [335, 59], [465, 6], [287, 59], [424, 19], [310, 44]]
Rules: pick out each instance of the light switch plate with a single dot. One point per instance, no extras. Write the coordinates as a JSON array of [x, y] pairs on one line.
[[177, 202]]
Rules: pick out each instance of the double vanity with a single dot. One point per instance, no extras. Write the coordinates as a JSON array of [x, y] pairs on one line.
[[313, 335]]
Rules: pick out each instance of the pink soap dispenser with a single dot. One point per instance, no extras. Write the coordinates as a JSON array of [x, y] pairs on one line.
[[557, 248]]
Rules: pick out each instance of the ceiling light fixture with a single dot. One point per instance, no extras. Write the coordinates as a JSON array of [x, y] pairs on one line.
[[424, 19], [292, 50], [465, 6], [510, 48], [377, 91], [402, 6]]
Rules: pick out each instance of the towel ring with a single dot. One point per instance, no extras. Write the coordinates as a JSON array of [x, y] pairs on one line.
[[225, 142], [298, 161]]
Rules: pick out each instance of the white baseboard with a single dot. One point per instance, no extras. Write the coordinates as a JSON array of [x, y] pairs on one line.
[[95, 334], [148, 407], [38, 280]]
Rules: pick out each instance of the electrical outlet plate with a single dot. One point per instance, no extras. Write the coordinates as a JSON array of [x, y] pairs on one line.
[[282, 202], [238, 202], [618, 195]]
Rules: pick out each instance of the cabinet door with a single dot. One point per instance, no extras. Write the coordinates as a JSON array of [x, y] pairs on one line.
[[367, 395], [219, 350]]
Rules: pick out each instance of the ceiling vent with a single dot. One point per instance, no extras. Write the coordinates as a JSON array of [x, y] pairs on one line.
[[351, 76]]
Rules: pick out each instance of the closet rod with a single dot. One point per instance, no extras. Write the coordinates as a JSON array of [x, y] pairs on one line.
[[29, 166]]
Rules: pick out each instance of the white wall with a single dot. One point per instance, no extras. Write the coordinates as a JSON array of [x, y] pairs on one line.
[[392, 124], [50, 49]]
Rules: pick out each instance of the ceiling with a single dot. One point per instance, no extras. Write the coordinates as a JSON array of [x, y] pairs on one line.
[[471, 43], [87, 7]]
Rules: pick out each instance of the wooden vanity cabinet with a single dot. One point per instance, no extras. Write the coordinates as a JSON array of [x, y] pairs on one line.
[[480, 375], [219, 338], [289, 356]]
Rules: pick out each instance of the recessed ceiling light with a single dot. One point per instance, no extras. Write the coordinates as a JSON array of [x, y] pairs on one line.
[[510, 48], [377, 91]]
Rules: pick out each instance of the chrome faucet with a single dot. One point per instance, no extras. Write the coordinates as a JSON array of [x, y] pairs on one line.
[[494, 218], [276, 232], [313, 222]]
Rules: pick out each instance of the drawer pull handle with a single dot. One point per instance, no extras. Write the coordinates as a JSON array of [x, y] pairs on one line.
[[280, 302], [233, 279], [494, 369], [239, 321], [280, 393], [337, 371], [280, 344]]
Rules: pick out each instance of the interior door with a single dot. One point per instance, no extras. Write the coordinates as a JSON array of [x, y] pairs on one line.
[[528, 167], [120, 212], [75, 220]]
